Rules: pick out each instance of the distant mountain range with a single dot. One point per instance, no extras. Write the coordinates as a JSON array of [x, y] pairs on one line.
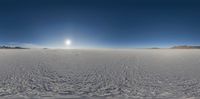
[[11, 47], [174, 47], [185, 47]]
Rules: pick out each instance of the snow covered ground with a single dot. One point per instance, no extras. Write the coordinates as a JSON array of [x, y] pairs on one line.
[[99, 74]]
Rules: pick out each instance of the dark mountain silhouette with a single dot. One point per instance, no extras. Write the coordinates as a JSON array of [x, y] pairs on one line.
[[11, 47], [185, 47]]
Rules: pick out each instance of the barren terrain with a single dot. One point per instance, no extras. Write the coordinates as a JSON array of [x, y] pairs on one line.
[[100, 74]]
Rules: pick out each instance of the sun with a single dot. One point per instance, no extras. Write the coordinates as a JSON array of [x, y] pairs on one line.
[[68, 42]]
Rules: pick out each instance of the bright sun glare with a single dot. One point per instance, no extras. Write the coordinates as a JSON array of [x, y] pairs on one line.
[[68, 42]]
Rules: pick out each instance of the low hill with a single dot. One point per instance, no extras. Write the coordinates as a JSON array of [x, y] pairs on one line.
[[185, 47], [11, 47]]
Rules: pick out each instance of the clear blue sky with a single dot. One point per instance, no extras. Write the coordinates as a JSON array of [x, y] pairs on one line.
[[100, 23]]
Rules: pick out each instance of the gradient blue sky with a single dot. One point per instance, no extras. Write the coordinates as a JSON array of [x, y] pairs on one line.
[[100, 23]]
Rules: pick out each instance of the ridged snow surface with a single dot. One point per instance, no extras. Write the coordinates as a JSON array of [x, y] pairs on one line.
[[99, 74]]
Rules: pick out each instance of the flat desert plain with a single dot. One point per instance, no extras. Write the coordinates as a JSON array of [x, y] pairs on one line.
[[99, 74]]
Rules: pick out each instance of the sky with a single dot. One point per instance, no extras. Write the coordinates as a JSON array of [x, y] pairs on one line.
[[100, 23]]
